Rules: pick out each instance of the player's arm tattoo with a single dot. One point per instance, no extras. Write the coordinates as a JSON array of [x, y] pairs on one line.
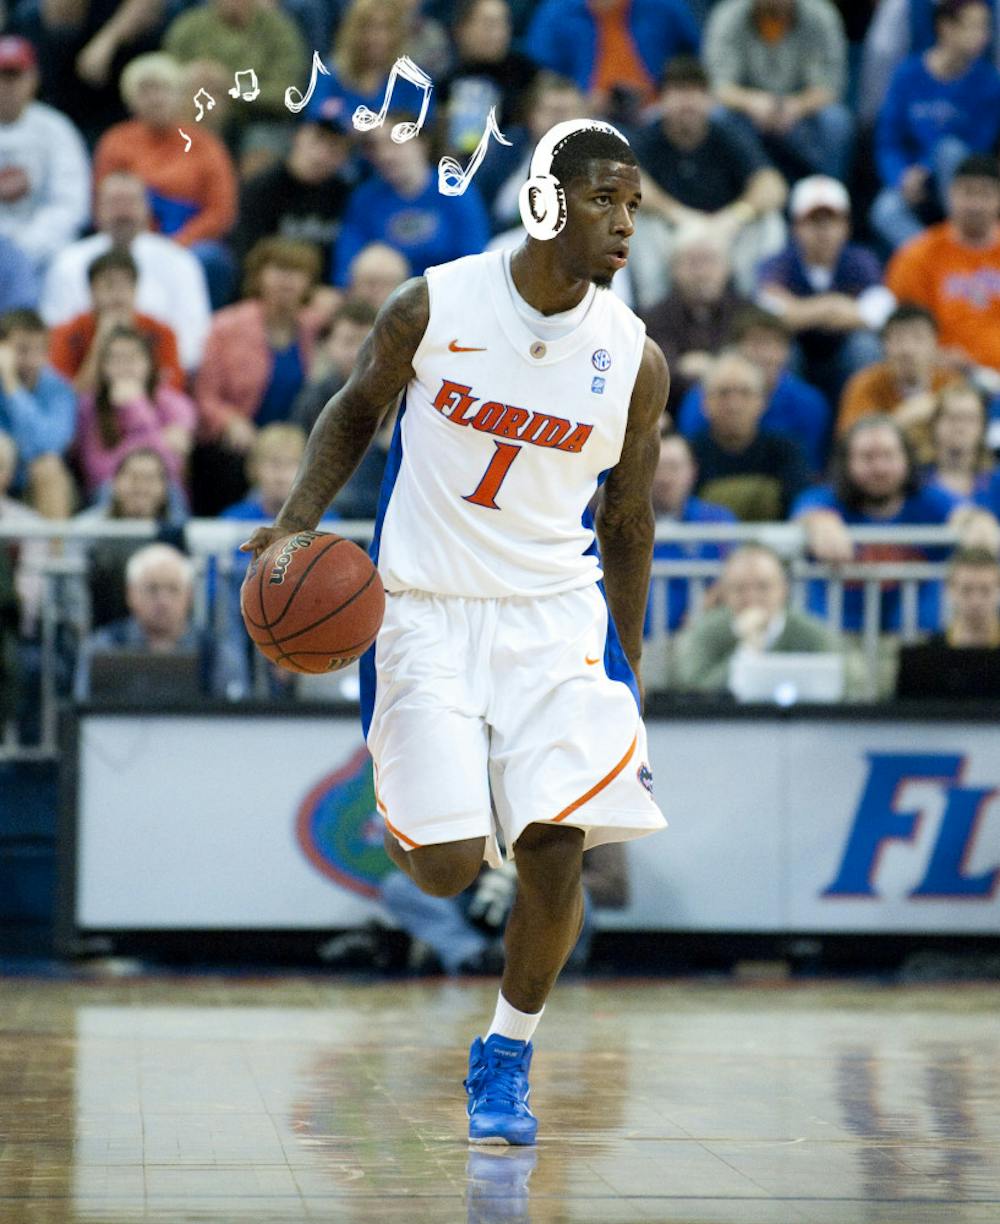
[[346, 426], [625, 519]]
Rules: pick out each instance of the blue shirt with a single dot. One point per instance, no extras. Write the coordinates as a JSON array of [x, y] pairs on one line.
[[40, 421], [287, 377], [678, 589], [919, 111], [563, 36], [428, 229], [795, 409], [989, 498], [19, 288], [928, 506]]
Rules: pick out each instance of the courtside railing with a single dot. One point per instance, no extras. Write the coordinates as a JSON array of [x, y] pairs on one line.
[[58, 618]]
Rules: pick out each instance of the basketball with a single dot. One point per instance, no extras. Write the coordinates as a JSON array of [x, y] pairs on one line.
[[313, 602]]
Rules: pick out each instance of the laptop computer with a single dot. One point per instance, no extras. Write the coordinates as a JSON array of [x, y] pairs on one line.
[[787, 678], [931, 669], [141, 678]]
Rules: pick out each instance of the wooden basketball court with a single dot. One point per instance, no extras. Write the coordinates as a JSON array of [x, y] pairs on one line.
[[271, 1099]]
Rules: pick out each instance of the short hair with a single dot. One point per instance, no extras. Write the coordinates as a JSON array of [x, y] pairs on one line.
[[143, 452], [353, 310], [575, 153], [909, 312], [727, 356], [669, 434], [284, 253], [156, 64], [845, 490], [685, 72], [378, 250], [978, 165], [22, 319], [115, 260], [155, 554], [758, 548], [970, 558], [278, 433], [547, 81], [755, 318], [464, 9], [951, 10]]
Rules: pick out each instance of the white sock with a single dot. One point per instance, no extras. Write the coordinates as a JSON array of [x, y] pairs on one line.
[[513, 1024]]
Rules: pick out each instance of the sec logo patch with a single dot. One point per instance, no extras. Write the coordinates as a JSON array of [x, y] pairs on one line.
[[601, 359]]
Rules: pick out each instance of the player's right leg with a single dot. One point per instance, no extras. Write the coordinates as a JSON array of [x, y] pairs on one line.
[[441, 871]]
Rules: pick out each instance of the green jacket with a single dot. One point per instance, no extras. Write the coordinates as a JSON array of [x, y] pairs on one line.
[[703, 651]]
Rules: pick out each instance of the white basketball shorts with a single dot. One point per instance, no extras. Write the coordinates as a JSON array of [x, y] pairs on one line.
[[508, 710]]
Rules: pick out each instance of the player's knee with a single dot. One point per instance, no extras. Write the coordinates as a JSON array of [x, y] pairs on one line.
[[550, 863], [447, 870]]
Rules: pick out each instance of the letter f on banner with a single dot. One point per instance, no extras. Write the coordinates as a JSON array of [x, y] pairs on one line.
[[877, 821]]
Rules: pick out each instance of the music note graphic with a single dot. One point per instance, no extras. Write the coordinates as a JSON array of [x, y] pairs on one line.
[[452, 179], [187, 147], [208, 105], [365, 119], [251, 91], [317, 67]]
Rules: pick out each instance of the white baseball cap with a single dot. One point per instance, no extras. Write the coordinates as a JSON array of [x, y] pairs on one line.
[[817, 192]]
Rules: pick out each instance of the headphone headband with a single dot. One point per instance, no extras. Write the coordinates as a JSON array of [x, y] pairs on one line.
[[545, 150]]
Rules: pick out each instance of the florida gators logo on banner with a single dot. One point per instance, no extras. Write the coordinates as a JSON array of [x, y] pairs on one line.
[[340, 831]]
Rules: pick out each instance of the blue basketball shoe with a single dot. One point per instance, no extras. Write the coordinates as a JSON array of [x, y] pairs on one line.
[[498, 1091]]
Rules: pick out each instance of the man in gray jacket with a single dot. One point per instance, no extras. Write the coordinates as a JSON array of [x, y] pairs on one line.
[[780, 67], [754, 617]]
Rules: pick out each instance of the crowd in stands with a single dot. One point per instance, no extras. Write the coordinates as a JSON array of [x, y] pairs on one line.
[[194, 246]]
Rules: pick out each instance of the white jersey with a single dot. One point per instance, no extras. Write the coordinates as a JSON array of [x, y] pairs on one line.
[[502, 440]]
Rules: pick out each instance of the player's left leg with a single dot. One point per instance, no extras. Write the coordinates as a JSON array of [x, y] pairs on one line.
[[542, 929]]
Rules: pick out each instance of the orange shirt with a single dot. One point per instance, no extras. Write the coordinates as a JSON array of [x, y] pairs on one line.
[[192, 195], [70, 342], [874, 389], [617, 60], [958, 284]]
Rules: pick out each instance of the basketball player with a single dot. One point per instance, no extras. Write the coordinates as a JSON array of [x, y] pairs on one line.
[[503, 689]]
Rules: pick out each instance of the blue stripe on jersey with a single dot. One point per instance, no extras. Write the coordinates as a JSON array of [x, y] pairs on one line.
[[393, 463], [616, 663]]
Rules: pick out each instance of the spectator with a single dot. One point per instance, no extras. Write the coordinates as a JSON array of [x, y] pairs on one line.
[[953, 269], [18, 281], [256, 358], [32, 555], [38, 410], [973, 584], [130, 407], [171, 284], [551, 99], [780, 67], [960, 462], [755, 617], [674, 501], [757, 475], [159, 592], [44, 169], [140, 489], [827, 289], [192, 193], [272, 464], [875, 483], [614, 50], [375, 272], [693, 322], [243, 34], [487, 73], [74, 345], [700, 170], [794, 408], [941, 106], [401, 205], [898, 28], [371, 37], [303, 197], [906, 383], [334, 360]]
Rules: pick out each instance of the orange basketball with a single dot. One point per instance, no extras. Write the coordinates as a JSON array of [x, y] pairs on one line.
[[313, 602]]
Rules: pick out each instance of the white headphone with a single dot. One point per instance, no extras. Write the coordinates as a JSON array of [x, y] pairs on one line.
[[541, 199]]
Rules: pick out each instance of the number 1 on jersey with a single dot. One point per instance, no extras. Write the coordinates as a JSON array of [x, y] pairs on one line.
[[493, 477]]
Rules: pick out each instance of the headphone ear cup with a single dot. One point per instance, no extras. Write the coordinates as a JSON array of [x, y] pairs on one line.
[[542, 202]]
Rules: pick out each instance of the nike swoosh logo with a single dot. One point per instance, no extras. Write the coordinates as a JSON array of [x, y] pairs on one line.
[[455, 347], [590, 662]]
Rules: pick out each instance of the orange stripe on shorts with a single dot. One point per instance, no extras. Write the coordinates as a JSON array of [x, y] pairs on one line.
[[385, 814], [598, 786]]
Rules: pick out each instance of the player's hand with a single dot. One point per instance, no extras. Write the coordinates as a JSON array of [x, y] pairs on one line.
[[263, 538]]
